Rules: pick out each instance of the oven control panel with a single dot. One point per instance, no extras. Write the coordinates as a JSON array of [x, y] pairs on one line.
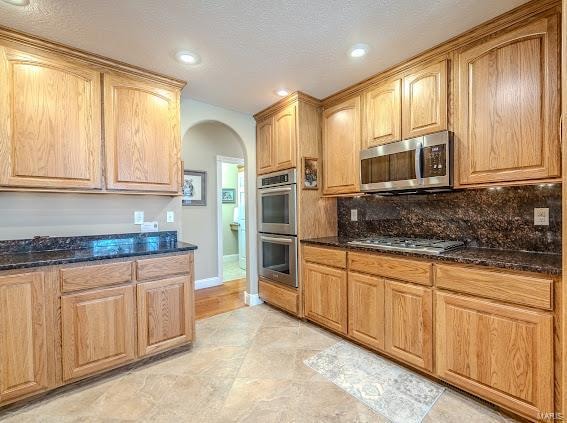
[[275, 180], [435, 161]]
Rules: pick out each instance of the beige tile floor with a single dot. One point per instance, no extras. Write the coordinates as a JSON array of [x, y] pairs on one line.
[[231, 270], [246, 366]]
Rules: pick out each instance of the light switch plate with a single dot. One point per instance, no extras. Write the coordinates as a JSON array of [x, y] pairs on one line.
[[149, 227], [541, 216], [354, 215], [170, 216], [138, 217]]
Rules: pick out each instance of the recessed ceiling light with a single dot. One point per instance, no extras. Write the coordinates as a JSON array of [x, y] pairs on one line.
[[188, 57], [358, 50], [282, 92], [17, 2]]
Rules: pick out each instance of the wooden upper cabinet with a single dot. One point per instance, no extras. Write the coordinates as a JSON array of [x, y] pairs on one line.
[[265, 154], [508, 106], [502, 353], [50, 136], [409, 323], [98, 330], [366, 309], [285, 138], [424, 108], [142, 137], [165, 314], [383, 114], [23, 335], [325, 296], [341, 148]]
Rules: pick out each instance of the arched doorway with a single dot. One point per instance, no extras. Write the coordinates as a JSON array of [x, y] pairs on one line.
[[214, 219]]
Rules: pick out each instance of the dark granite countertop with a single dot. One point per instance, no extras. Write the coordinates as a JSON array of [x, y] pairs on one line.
[[21, 254], [506, 259]]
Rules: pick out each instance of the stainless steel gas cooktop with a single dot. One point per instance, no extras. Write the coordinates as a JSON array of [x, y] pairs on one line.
[[414, 245]]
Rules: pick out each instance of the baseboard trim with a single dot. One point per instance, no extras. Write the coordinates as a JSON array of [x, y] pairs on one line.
[[208, 283], [252, 299]]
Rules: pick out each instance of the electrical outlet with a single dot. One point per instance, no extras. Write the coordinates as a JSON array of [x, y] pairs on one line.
[[138, 217], [354, 215], [170, 216], [541, 216]]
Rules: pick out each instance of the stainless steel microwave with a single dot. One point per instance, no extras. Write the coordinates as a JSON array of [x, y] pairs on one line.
[[418, 164]]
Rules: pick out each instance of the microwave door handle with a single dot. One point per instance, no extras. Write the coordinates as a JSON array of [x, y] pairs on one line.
[[276, 240], [418, 171]]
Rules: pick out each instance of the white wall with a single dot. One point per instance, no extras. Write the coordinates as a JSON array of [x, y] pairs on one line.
[[229, 237], [201, 145], [25, 215], [193, 112]]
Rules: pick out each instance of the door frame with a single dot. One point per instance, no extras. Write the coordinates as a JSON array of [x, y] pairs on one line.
[[220, 161]]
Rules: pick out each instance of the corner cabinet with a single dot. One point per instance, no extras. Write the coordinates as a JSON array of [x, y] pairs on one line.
[[142, 135], [23, 335], [341, 148], [383, 114], [425, 100], [50, 136], [507, 106], [276, 141]]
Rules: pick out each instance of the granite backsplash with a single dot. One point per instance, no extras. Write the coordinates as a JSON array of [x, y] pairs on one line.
[[501, 218]]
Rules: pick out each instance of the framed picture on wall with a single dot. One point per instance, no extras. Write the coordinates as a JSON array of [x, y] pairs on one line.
[[228, 196], [310, 173], [194, 188]]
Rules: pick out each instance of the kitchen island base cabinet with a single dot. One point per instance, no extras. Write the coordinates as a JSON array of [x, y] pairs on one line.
[[23, 335], [325, 291], [164, 314], [409, 321], [502, 353], [98, 329], [366, 309]]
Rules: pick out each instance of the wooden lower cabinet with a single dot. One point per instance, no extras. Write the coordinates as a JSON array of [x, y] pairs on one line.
[[165, 314], [23, 335], [325, 292], [409, 323], [98, 330], [366, 309], [284, 297], [502, 353]]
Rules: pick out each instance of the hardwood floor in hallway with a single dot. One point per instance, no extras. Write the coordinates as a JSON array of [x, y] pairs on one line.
[[220, 299]]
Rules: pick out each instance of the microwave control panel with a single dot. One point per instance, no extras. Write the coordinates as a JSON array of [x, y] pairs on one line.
[[435, 161]]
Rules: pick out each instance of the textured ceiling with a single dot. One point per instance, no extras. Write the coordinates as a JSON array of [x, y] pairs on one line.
[[251, 47]]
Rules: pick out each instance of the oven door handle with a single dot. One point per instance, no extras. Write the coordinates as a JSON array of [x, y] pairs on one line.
[[276, 240], [273, 190]]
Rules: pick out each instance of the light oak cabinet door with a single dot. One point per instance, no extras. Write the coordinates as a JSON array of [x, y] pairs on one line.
[[50, 136], [142, 138], [23, 338], [383, 114], [508, 106], [341, 148], [265, 153], [165, 314], [285, 138], [325, 294], [409, 321], [98, 329], [366, 309], [502, 353], [424, 108]]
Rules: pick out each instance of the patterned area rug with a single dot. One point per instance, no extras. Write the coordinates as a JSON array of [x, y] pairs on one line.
[[391, 390]]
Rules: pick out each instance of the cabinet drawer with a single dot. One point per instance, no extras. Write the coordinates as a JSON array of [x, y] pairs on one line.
[[326, 256], [390, 267], [509, 287], [278, 296], [164, 266], [100, 275]]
